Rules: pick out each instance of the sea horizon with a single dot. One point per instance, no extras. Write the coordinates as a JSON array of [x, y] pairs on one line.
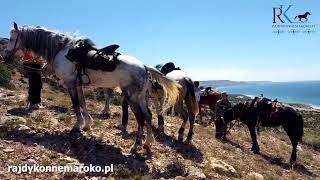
[[299, 92]]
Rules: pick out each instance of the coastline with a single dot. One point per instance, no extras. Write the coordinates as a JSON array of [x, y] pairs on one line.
[[299, 106]]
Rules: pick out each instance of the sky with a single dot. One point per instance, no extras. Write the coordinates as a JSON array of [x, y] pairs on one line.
[[209, 39]]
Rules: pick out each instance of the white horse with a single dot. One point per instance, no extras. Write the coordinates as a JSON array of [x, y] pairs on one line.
[[131, 75], [186, 98]]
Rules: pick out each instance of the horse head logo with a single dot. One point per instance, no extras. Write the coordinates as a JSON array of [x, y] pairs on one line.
[[303, 16]]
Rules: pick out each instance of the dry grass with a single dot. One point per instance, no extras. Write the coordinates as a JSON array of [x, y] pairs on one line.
[[48, 142]]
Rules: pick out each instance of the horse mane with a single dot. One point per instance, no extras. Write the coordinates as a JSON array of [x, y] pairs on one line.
[[44, 42]]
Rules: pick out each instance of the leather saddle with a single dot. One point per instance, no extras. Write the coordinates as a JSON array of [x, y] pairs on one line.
[[87, 55]]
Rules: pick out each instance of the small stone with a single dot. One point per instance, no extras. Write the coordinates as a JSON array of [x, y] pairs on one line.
[[179, 178], [196, 173], [8, 150], [69, 159], [254, 176], [23, 128], [32, 161], [222, 168]]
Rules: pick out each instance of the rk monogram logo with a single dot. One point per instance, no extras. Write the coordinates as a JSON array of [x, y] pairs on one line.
[[280, 15], [278, 12], [287, 20]]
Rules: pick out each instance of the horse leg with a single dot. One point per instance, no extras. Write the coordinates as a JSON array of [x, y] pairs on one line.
[[125, 115], [142, 113], [107, 96], [158, 103], [200, 113], [191, 121], [184, 115], [147, 115], [294, 142], [76, 107], [255, 146], [83, 105], [139, 117]]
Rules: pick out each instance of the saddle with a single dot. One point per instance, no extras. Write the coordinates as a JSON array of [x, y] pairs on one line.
[[86, 55], [167, 68]]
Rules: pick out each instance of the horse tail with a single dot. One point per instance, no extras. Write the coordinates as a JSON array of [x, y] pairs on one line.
[[192, 96], [300, 126], [295, 17], [170, 87]]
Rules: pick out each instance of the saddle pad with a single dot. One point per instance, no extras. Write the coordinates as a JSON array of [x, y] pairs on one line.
[[101, 61]]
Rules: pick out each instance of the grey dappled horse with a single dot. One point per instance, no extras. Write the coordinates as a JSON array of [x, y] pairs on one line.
[[131, 75], [186, 98]]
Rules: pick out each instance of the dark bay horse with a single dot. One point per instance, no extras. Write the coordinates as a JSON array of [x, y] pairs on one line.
[[251, 112], [210, 99]]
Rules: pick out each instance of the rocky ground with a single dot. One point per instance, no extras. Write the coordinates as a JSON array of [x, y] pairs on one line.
[[42, 137]]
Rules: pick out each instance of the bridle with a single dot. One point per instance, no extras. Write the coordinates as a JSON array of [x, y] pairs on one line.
[[234, 123], [14, 50]]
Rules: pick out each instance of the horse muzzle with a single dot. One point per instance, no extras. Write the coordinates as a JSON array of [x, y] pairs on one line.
[[8, 57]]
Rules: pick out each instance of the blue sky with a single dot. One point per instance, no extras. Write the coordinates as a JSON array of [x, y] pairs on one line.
[[207, 38]]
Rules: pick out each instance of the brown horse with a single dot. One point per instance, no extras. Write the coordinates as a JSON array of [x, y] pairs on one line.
[[210, 99]]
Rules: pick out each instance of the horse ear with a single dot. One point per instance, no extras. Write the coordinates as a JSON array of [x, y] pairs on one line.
[[15, 26]]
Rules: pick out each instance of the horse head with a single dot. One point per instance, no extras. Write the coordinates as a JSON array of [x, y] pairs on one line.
[[307, 13], [229, 115], [14, 44]]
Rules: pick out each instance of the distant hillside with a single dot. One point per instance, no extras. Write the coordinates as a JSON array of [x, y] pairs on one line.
[[3, 43], [222, 83]]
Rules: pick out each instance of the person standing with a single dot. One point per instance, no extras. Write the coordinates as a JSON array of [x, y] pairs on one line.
[[197, 90], [222, 106], [32, 66]]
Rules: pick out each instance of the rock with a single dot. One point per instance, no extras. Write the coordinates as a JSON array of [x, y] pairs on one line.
[[179, 178], [69, 159], [254, 176], [17, 119], [8, 150], [23, 128], [94, 178], [196, 173], [222, 168], [299, 148], [32, 161]]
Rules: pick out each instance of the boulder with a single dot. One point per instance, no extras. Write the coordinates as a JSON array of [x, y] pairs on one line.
[[222, 168]]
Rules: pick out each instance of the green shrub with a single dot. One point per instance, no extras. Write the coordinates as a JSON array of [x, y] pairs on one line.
[[5, 75], [116, 100]]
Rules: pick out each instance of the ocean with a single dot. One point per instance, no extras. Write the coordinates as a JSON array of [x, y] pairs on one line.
[[304, 92]]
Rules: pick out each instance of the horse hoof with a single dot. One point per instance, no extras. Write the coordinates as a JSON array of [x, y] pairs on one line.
[[180, 139], [105, 115], [135, 148], [187, 141], [161, 129], [293, 164], [147, 147], [75, 132], [87, 129], [123, 128]]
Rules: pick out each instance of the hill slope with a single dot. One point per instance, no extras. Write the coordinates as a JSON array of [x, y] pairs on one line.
[[42, 137]]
